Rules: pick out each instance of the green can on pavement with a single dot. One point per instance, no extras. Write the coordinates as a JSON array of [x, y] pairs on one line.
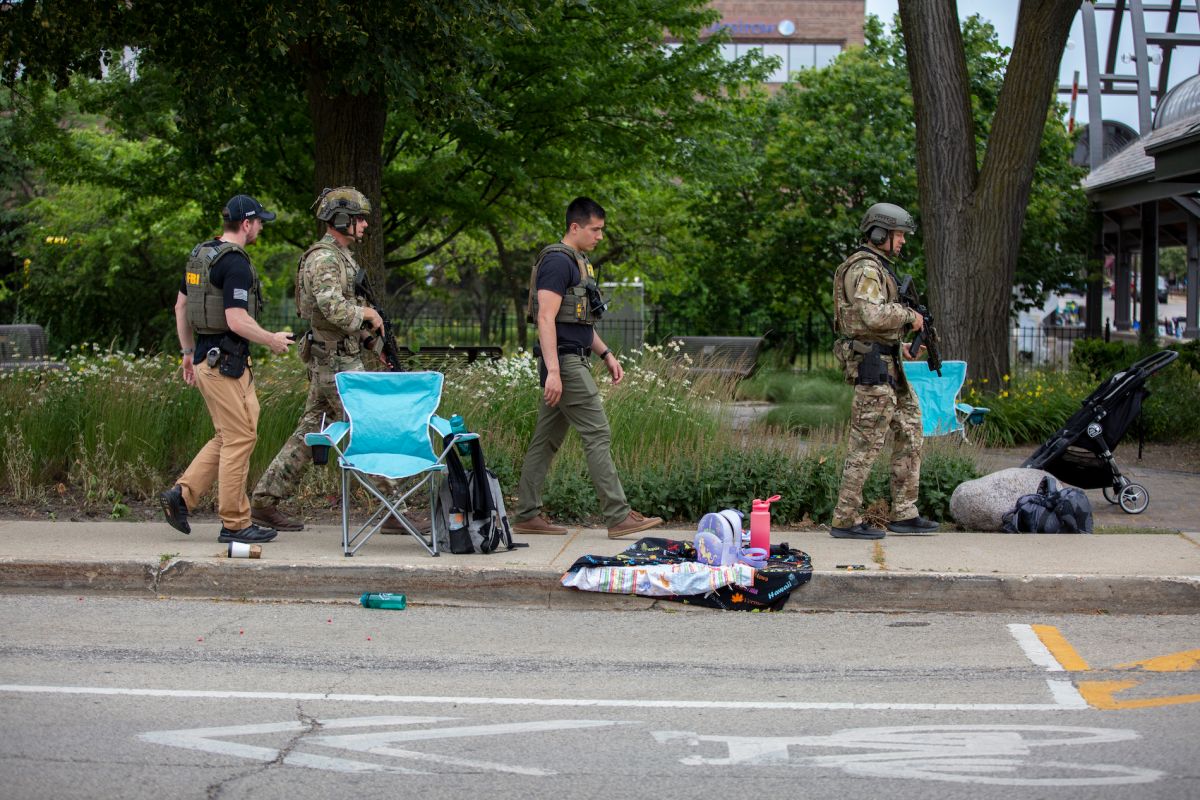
[[383, 600]]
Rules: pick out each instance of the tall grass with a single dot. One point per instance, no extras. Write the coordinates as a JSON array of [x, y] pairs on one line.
[[1029, 408], [115, 426]]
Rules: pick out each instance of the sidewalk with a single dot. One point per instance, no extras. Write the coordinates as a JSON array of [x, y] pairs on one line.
[[952, 571]]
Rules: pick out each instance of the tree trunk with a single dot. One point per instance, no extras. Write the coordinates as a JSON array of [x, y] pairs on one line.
[[348, 144], [972, 218], [514, 277]]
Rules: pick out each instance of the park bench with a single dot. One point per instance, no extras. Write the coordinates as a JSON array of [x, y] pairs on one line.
[[440, 356], [720, 355], [24, 347]]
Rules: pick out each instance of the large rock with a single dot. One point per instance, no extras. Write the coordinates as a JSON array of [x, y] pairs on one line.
[[980, 505]]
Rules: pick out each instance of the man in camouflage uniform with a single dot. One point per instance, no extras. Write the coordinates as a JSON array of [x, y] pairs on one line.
[[325, 296], [871, 324]]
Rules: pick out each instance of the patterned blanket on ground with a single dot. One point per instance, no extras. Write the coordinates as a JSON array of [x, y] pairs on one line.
[[668, 568]]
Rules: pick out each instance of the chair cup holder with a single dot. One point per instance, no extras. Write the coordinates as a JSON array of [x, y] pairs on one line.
[[320, 454]]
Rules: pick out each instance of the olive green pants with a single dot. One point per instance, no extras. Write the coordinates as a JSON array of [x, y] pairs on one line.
[[579, 408]]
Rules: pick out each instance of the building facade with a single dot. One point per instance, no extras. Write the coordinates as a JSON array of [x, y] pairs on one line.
[[802, 34]]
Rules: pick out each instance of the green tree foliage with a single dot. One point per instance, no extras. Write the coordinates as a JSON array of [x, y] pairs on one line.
[[240, 83], [789, 185], [493, 113], [99, 254], [590, 102], [93, 265]]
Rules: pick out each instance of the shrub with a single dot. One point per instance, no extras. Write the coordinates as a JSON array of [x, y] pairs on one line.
[[1169, 413], [1028, 409], [115, 425], [1099, 358]]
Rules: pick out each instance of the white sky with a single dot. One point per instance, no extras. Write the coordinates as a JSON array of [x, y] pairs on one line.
[[1003, 16]]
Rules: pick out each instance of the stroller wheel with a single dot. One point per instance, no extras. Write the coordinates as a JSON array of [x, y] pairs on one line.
[[1110, 495], [1134, 498]]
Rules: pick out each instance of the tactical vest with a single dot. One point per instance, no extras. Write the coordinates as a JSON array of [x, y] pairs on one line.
[[847, 319], [205, 302], [576, 308], [323, 330]]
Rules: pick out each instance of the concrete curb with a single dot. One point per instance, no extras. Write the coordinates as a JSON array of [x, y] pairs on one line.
[[539, 588]]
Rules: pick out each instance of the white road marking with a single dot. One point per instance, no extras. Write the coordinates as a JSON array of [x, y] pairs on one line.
[[1067, 695], [207, 740], [380, 743], [1063, 700], [1037, 652], [989, 754]]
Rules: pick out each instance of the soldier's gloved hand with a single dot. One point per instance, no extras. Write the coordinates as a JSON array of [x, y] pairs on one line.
[[372, 319]]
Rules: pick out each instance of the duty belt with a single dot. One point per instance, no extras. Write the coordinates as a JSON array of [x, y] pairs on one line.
[[879, 348], [872, 371], [566, 350], [339, 349]]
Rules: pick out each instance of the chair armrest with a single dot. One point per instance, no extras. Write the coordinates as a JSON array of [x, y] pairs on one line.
[[329, 437], [974, 414], [442, 426]]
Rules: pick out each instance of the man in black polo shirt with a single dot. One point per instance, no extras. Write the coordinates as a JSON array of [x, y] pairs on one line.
[[219, 299], [562, 299]]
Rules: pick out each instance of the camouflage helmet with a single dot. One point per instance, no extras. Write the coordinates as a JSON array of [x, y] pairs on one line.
[[337, 206], [883, 217]]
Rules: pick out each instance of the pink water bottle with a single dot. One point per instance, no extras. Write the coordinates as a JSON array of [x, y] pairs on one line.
[[760, 523]]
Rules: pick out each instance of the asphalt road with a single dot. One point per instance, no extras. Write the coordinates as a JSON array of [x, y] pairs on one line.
[[108, 698]]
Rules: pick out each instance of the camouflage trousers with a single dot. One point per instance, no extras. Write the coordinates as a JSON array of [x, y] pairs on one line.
[[283, 475], [876, 410]]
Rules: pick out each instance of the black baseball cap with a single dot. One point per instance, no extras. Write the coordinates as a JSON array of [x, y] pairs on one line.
[[243, 206]]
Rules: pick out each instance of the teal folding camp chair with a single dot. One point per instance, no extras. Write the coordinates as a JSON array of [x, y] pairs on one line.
[[387, 447], [941, 413]]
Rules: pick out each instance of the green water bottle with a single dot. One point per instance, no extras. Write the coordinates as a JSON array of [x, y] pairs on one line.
[[458, 425], [383, 600]]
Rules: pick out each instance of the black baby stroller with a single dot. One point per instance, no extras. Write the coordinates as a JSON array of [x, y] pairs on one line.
[[1080, 453]]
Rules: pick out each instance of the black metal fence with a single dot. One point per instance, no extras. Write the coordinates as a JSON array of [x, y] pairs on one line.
[[804, 344]]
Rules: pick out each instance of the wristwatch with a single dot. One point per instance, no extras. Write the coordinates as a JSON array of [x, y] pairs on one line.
[[605, 354]]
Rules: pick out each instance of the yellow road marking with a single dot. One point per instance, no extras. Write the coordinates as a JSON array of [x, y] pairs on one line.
[[1099, 694], [1175, 662], [1060, 648]]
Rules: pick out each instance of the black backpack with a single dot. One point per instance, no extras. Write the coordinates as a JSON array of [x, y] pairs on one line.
[[1050, 510], [468, 510]]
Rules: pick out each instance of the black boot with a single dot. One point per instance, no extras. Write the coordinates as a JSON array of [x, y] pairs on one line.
[[174, 509], [251, 534], [914, 526], [860, 531]]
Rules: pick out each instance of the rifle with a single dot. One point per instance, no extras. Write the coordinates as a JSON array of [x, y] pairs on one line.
[[928, 334], [391, 354]]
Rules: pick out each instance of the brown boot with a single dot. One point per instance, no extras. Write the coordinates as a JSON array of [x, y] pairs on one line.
[[634, 523], [272, 517], [538, 524], [391, 525]]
